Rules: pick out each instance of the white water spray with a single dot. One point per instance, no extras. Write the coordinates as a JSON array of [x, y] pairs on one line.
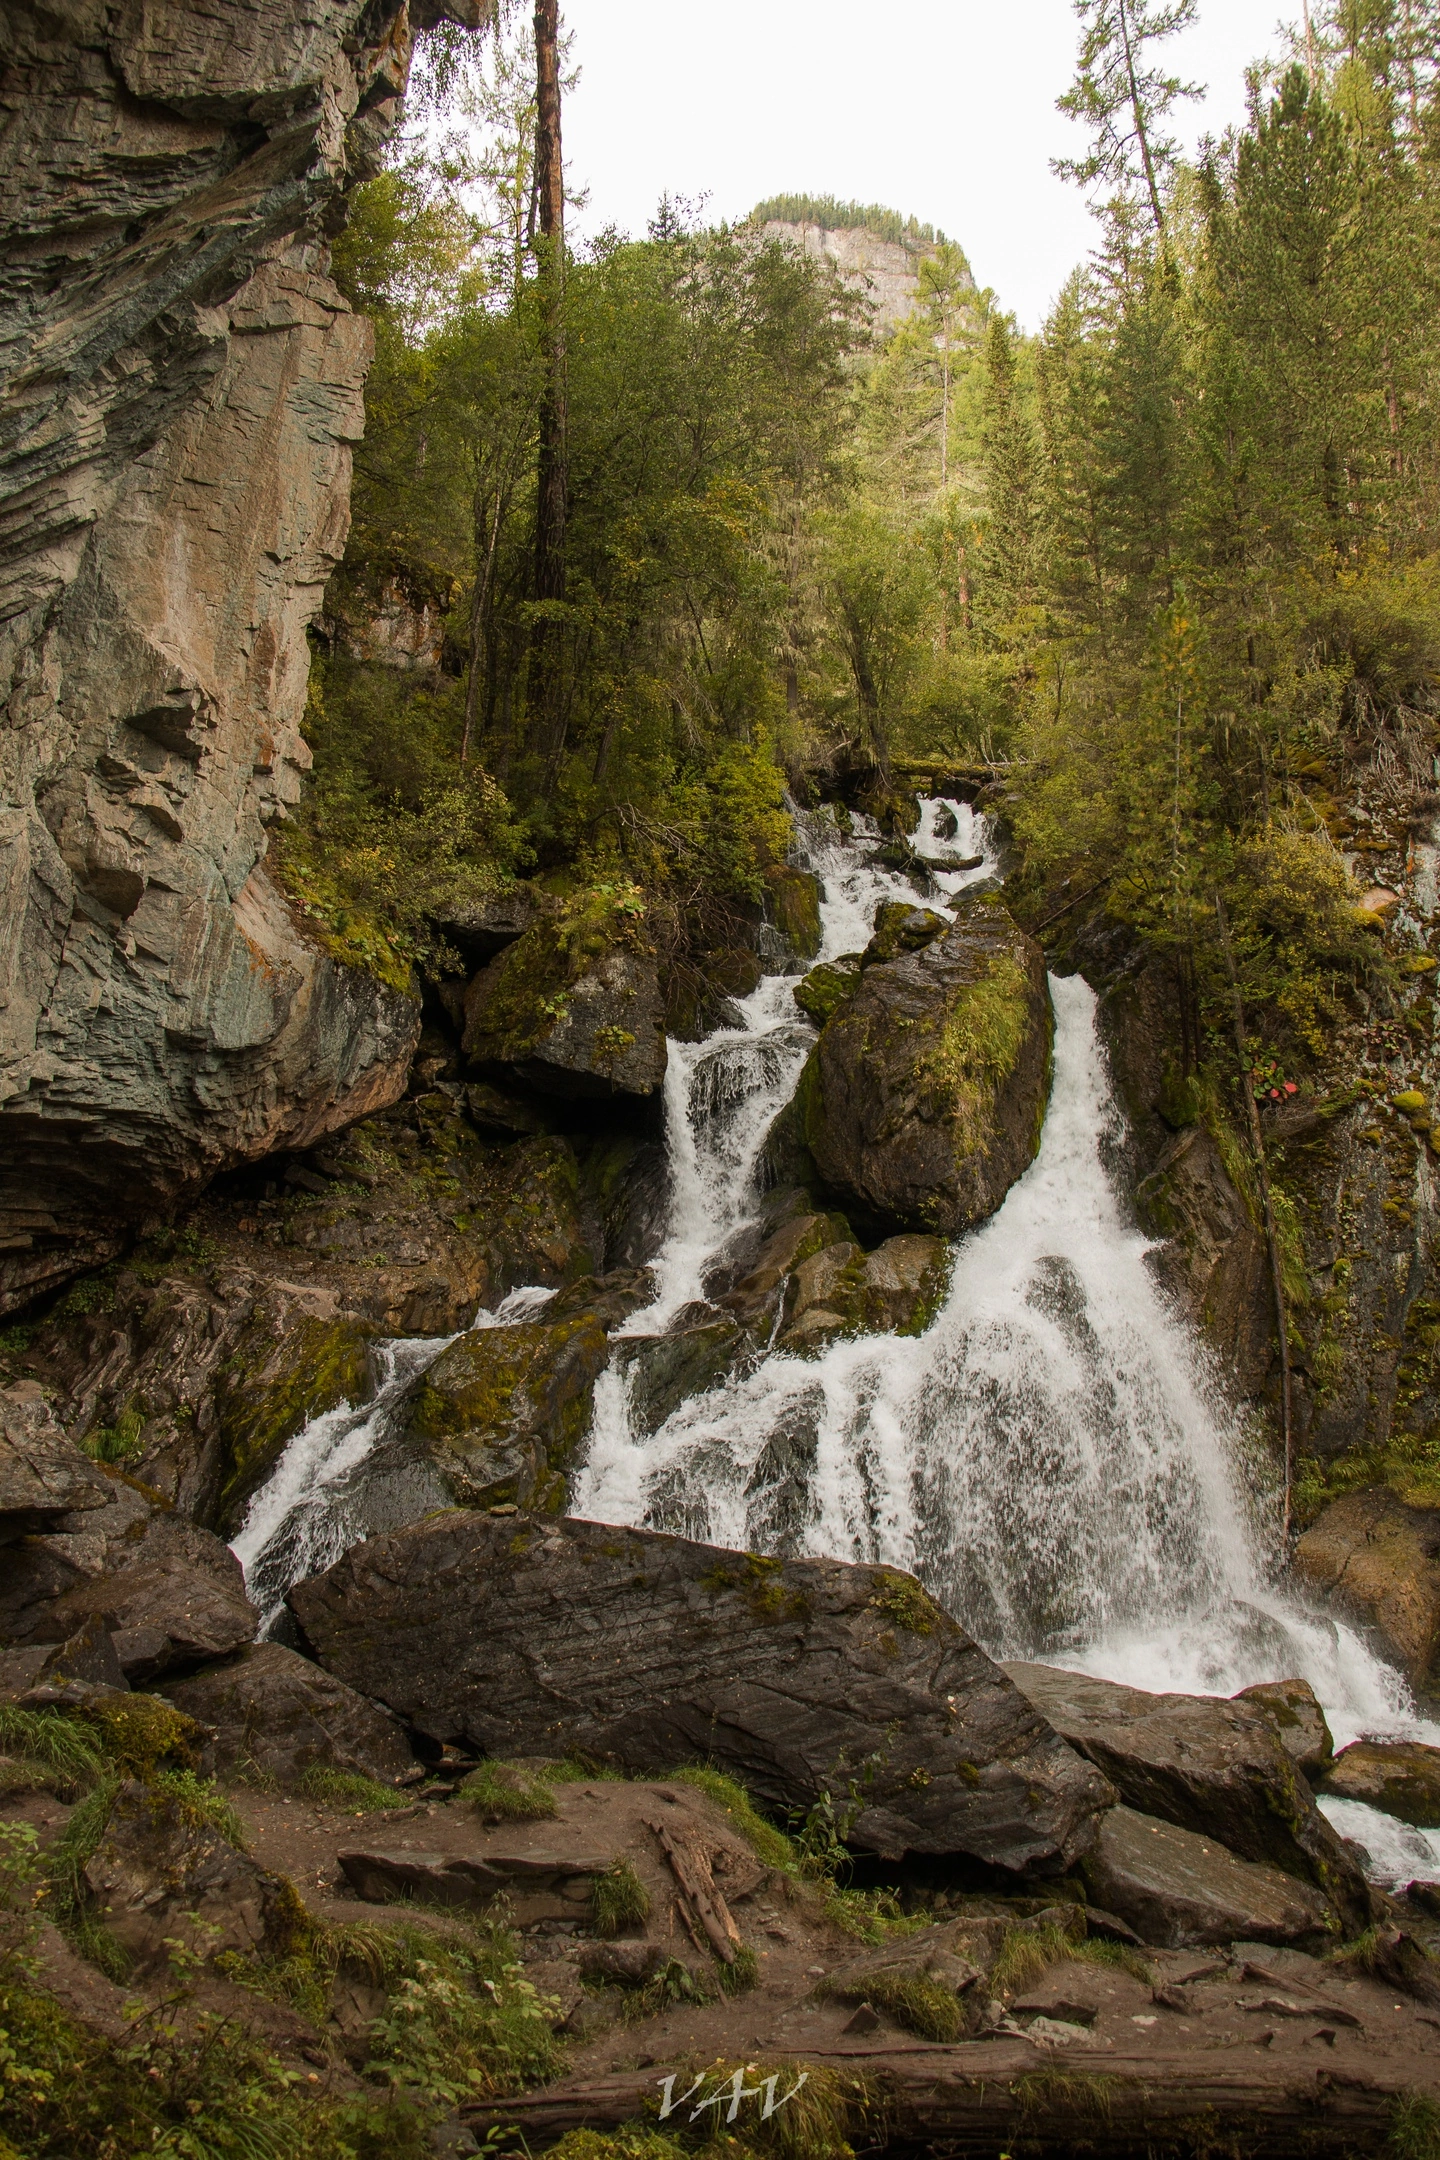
[[318, 1501]]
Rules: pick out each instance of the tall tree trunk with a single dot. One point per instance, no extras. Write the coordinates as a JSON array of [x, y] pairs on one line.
[[1137, 113], [547, 721]]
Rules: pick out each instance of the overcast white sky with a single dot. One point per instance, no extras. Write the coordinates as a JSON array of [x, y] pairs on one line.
[[940, 108]]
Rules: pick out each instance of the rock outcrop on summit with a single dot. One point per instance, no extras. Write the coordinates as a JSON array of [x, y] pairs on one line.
[[180, 384]]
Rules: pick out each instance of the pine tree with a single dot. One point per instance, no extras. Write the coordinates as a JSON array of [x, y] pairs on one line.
[[1125, 100]]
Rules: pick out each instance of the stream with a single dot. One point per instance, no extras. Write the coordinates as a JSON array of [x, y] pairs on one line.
[[1053, 1457]]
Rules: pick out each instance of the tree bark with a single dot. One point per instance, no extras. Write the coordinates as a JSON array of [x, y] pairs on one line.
[[547, 721], [982, 2096]]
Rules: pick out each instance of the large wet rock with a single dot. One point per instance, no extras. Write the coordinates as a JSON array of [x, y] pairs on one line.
[[567, 1018], [842, 1291], [1298, 1716], [1379, 1561], [923, 1100], [43, 1476], [1400, 1776], [800, 1677], [1213, 1766], [275, 1715], [161, 1875], [183, 384], [501, 1412], [792, 907], [1176, 1887], [172, 1595]]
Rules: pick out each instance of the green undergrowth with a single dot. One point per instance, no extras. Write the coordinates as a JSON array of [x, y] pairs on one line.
[[349, 1789], [1027, 1952], [910, 2000], [1414, 2127], [183, 2084], [1409, 1463], [619, 1900]]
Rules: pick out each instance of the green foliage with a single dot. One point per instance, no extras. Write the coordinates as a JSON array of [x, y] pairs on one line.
[[500, 1792], [58, 1743], [741, 1974], [619, 1900], [463, 2023], [120, 1442], [977, 1046], [1414, 2128], [915, 2002], [137, 1733], [350, 1790]]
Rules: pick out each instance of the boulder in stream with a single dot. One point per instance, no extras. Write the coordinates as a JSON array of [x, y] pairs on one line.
[[1400, 1776], [569, 1016], [1212, 1766], [501, 1412], [923, 1100], [800, 1677]]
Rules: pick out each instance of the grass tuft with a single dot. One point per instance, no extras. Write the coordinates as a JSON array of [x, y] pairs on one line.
[[912, 2000], [619, 1900], [349, 1789], [501, 1792], [765, 1841], [739, 1978], [1414, 2128], [57, 1742]]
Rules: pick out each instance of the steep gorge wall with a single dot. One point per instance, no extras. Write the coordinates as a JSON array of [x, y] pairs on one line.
[[180, 385]]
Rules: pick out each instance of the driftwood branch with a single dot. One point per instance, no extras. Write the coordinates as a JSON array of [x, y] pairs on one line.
[[699, 1900], [982, 2097]]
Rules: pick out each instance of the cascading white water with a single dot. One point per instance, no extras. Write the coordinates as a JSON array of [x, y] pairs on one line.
[[723, 1094], [316, 1502], [1050, 1457]]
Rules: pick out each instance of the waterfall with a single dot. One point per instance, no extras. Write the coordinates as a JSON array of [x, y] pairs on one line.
[[1053, 1457], [338, 1481]]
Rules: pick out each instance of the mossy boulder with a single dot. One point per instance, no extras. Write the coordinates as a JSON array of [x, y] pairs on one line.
[[841, 1291], [792, 904], [822, 992], [501, 1412], [924, 1098], [272, 1384], [901, 928], [569, 1009]]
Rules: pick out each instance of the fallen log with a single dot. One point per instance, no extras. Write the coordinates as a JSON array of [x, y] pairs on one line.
[[699, 1899], [981, 2097]]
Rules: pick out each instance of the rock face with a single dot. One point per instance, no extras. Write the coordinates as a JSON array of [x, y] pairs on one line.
[[500, 1414], [42, 1477], [183, 384], [1214, 1261], [923, 1100], [800, 1677], [1400, 1776], [1380, 1561], [276, 1715], [1177, 1887], [1211, 1766], [172, 1594]]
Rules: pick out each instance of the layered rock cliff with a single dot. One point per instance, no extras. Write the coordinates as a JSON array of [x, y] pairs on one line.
[[180, 384]]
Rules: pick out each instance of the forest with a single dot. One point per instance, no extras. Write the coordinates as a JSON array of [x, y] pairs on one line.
[[1159, 572]]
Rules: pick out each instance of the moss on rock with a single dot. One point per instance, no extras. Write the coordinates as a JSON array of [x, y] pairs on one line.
[[502, 1411], [268, 1389], [793, 906]]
